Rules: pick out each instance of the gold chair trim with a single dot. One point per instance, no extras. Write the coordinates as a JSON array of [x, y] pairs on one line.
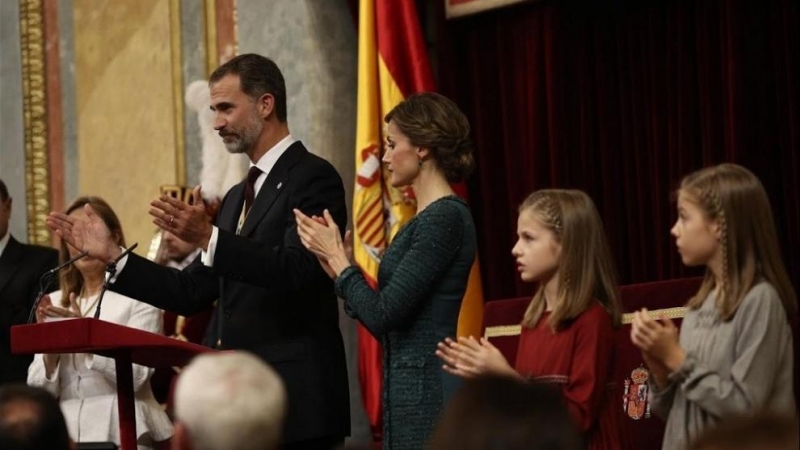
[[502, 330], [669, 313], [515, 330]]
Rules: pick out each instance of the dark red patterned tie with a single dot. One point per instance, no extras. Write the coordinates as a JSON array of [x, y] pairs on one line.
[[250, 188]]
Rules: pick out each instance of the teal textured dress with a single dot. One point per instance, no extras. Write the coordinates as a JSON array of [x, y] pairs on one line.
[[421, 282]]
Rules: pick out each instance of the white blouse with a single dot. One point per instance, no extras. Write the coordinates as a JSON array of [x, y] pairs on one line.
[[86, 384]]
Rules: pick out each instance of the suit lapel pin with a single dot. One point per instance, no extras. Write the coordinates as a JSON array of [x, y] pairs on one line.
[[280, 184]]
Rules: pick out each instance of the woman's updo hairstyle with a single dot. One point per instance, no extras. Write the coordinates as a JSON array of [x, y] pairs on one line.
[[433, 121]]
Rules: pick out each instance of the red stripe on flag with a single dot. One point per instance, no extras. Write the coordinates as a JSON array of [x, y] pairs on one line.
[[401, 46], [374, 229], [376, 207], [370, 370], [379, 231]]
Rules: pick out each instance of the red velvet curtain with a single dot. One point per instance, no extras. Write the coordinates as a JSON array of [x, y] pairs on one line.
[[621, 99]]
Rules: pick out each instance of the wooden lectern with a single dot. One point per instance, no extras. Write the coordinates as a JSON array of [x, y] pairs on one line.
[[124, 344]]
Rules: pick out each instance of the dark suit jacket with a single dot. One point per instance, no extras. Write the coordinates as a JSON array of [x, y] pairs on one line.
[[274, 298], [21, 266]]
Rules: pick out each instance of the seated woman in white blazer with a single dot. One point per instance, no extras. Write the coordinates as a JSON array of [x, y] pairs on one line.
[[86, 384]]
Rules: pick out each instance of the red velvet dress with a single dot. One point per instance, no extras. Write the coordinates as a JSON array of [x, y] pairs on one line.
[[579, 360]]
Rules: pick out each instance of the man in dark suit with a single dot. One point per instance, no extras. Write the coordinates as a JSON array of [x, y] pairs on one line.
[[21, 266], [274, 298]]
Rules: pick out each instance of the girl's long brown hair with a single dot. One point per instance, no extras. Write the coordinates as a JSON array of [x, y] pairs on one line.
[[586, 268], [736, 199], [70, 278]]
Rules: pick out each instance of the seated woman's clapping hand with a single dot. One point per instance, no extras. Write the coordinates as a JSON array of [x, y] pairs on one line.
[[47, 309], [470, 357]]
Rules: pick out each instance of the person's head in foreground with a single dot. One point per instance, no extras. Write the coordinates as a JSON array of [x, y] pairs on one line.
[[230, 400], [30, 419], [502, 413]]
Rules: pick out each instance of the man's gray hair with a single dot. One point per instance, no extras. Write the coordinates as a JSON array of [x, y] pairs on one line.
[[231, 400]]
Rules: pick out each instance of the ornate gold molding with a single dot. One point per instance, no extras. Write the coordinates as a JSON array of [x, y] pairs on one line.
[[34, 104]]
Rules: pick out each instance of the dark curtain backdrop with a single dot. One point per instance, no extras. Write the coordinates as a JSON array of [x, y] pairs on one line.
[[621, 99]]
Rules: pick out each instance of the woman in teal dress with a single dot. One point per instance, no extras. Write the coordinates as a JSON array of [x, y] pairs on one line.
[[423, 273]]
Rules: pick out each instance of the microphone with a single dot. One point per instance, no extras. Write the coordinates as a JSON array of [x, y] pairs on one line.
[[111, 269], [46, 280], [54, 270], [123, 254]]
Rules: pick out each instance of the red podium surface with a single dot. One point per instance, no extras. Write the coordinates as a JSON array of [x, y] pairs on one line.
[[124, 344]]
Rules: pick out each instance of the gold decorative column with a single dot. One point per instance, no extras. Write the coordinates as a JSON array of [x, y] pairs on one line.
[[210, 17], [177, 90], [35, 118], [221, 20]]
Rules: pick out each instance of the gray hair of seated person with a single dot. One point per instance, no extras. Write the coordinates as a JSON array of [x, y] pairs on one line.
[[231, 400]]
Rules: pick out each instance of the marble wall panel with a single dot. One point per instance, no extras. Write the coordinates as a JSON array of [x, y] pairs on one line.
[[124, 106]]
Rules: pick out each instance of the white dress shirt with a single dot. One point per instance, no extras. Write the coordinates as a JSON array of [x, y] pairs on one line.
[[266, 163]]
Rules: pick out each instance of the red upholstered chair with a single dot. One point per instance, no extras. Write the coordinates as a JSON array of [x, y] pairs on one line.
[[501, 327], [501, 324], [660, 297]]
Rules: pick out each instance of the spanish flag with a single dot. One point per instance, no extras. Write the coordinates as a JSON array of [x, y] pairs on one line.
[[392, 64]]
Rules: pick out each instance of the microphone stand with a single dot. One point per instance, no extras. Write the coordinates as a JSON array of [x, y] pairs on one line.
[[46, 280], [111, 270]]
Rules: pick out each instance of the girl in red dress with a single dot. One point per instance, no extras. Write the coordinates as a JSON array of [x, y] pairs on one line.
[[567, 331]]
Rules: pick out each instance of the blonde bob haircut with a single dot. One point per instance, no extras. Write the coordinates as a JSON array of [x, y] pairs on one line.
[[586, 268], [735, 198]]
